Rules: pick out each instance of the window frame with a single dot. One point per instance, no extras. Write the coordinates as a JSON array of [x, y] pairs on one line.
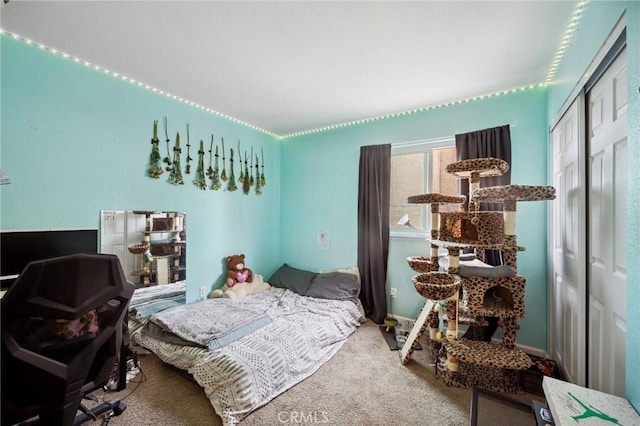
[[425, 146]]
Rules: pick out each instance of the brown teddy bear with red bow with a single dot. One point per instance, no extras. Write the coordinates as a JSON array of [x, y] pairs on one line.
[[237, 271]]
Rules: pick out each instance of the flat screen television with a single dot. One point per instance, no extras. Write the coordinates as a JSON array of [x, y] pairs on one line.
[[18, 248]]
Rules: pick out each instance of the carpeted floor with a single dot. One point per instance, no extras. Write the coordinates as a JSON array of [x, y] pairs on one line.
[[363, 384]]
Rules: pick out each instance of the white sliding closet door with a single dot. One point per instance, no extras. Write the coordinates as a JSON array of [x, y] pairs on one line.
[[568, 292], [607, 127]]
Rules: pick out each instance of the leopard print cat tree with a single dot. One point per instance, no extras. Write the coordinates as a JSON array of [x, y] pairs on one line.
[[471, 294]]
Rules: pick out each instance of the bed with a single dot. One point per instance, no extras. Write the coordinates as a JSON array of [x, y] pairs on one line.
[[246, 352]]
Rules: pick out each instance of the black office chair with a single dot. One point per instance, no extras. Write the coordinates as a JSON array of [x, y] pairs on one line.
[[62, 330]]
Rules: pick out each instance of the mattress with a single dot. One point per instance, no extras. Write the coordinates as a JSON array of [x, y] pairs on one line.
[[244, 375]]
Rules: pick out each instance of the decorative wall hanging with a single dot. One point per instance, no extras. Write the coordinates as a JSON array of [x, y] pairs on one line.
[[251, 173], [223, 176], [189, 159], [246, 180], [175, 177], [232, 180], [252, 181], [200, 181], [154, 170], [241, 178], [258, 180], [214, 175], [263, 181], [167, 159], [210, 169]]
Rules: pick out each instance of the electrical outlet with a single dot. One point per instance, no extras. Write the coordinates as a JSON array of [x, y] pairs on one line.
[[324, 239], [394, 292], [203, 292]]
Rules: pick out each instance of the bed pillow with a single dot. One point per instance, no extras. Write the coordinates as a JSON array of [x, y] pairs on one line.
[[353, 270], [334, 285], [296, 280]]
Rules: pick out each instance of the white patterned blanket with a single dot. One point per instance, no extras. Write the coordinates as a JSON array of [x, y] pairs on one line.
[[246, 374]]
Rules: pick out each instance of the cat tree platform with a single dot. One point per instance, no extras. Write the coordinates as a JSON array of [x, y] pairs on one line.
[[422, 264], [499, 194], [436, 285], [486, 354], [490, 366], [435, 198], [482, 167]]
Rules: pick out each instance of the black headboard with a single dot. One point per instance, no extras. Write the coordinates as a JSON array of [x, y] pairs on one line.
[[18, 248]]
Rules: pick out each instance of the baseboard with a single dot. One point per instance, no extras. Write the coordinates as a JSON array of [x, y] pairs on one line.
[[530, 350], [402, 319], [533, 351]]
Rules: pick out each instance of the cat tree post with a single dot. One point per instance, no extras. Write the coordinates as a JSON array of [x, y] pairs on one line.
[[474, 183]]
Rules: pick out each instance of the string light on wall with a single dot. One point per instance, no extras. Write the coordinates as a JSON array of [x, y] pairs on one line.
[[133, 81], [413, 111], [573, 25]]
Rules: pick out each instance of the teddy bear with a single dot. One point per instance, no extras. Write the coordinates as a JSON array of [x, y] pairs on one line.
[[237, 272], [241, 281]]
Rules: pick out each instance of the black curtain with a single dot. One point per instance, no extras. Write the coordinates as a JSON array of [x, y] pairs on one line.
[[374, 188], [494, 142]]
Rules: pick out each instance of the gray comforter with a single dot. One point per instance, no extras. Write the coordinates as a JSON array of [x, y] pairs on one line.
[[211, 323]]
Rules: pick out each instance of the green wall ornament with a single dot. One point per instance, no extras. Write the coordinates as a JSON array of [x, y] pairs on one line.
[[258, 180], [200, 181], [167, 159], [245, 181], [241, 178], [263, 181], [251, 179], [232, 180], [215, 175], [154, 170], [187, 169], [175, 177], [223, 175]]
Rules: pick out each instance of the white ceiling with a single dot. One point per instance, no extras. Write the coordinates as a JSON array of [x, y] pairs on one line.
[[292, 66]]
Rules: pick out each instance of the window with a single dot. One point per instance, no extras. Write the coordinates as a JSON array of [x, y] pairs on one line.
[[418, 168]]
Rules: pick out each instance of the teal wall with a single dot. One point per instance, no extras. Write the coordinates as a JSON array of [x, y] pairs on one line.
[[320, 187], [597, 22], [76, 141]]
